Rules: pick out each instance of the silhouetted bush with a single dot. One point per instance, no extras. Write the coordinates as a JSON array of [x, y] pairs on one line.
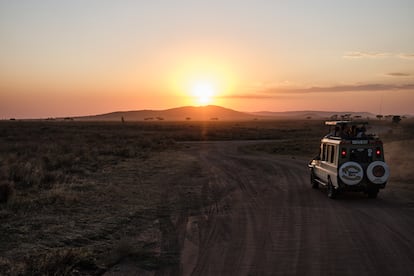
[[6, 191]]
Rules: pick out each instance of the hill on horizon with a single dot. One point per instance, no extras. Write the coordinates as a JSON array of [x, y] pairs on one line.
[[185, 113], [213, 113]]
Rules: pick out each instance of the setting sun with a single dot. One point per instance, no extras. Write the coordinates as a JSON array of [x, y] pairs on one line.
[[201, 80], [203, 92]]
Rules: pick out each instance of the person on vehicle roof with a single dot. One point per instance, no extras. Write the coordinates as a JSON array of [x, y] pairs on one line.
[[361, 132]]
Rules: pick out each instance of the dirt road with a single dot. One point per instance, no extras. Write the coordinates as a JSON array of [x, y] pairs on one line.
[[266, 220]]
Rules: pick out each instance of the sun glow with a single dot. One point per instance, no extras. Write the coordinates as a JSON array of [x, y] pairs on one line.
[[203, 91], [202, 81]]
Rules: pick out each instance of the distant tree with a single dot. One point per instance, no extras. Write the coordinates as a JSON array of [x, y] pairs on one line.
[[379, 117], [309, 117], [396, 119], [188, 118], [334, 117], [122, 119]]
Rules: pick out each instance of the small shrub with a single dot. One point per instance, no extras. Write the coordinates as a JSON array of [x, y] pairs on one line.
[[26, 174], [6, 192], [59, 195]]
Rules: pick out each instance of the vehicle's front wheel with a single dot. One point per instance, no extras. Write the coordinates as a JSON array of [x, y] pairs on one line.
[[315, 184], [332, 192]]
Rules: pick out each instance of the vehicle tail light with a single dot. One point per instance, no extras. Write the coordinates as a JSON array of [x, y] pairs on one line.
[[378, 152], [343, 153]]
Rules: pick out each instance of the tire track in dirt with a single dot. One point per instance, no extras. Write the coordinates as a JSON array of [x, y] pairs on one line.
[[268, 221]]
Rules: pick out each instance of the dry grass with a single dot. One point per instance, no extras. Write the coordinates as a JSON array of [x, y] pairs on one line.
[[400, 156], [88, 186], [66, 261]]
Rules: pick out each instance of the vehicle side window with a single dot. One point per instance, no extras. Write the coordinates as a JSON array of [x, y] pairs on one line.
[[332, 156], [323, 157], [329, 153]]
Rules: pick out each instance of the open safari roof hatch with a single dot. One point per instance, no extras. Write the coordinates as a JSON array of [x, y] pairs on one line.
[[348, 130]]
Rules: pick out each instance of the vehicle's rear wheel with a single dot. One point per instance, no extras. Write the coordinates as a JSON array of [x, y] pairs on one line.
[[315, 184], [373, 193], [332, 192]]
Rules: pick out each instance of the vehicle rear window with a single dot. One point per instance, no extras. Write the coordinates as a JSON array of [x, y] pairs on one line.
[[361, 155]]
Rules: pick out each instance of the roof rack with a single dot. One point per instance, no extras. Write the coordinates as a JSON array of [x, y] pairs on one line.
[[340, 123]]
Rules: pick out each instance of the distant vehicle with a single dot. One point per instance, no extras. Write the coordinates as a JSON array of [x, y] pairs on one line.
[[349, 160]]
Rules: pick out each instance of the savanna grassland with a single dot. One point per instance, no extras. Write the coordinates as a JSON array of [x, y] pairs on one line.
[[79, 197]]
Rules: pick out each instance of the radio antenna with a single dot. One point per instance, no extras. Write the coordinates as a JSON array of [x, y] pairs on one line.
[[380, 108]]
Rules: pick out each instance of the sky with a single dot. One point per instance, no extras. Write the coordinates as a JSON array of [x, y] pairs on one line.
[[83, 57]]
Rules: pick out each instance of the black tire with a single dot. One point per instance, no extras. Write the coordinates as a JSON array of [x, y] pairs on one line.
[[315, 185], [373, 193], [332, 192]]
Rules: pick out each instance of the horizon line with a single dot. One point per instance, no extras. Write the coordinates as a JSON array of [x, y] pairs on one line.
[[190, 106]]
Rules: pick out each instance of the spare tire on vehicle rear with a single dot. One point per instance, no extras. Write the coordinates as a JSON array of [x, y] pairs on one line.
[[351, 173], [378, 172]]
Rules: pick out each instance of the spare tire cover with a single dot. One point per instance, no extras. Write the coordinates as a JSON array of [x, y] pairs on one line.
[[351, 173], [378, 179]]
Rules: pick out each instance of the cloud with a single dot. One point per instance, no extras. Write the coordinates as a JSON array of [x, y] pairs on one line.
[[344, 88], [250, 96], [406, 56], [285, 93], [366, 55], [398, 74], [373, 55]]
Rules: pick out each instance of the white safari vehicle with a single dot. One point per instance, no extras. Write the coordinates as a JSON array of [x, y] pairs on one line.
[[349, 160]]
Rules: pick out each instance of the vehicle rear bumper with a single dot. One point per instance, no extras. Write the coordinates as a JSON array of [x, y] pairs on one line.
[[363, 186]]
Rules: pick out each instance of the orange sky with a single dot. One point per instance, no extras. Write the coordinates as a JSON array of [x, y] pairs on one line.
[[80, 58]]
